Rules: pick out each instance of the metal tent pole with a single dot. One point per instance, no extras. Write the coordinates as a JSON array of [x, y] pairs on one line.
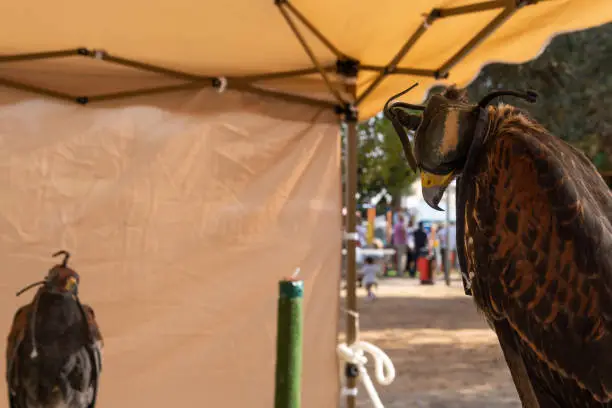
[[351, 373]]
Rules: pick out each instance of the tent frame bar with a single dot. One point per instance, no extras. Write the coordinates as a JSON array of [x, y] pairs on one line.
[[312, 28], [392, 65], [148, 67], [481, 36], [284, 96], [246, 83], [37, 90], [39, 55], [284, 74], [470, 8], [401, 71], [311, 55]]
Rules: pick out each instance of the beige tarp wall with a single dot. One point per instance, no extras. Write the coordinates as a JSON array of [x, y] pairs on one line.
[[180, 226]]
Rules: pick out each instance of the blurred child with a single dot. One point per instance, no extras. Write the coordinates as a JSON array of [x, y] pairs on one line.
[[370, 271]]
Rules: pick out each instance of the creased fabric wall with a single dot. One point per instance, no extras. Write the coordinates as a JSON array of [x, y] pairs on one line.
[[180, 225]]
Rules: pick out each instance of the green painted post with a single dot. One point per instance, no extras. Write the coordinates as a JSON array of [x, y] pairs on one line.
[[289, 344]]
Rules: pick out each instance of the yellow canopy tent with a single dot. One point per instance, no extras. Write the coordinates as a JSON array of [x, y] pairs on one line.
[[183, 205]]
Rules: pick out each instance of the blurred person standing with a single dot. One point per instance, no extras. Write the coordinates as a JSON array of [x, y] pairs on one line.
[[421, 247], [452, 245], [399, 242], [434, 246], [443, 239], [410, 247]]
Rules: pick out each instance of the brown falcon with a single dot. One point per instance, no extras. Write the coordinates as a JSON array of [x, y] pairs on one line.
[[53, 351], [534, 237]]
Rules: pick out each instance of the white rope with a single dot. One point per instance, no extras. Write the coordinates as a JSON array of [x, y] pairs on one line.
[[384, 372]]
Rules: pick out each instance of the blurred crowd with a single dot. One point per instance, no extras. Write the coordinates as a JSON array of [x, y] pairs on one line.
[[412, 241]]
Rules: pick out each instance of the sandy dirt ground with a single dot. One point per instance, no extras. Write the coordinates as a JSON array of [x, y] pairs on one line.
[[444, 353]]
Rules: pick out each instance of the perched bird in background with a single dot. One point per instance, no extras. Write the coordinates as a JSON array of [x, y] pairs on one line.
[[53, 351], [534, 237]]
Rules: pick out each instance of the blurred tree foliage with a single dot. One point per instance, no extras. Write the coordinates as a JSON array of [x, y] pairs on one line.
[[381, 163]]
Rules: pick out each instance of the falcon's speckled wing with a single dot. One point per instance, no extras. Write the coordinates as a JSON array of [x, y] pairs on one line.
[[538, 244]]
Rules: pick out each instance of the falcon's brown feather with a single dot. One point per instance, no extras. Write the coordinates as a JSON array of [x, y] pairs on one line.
[[538, 244], [93, 324], [20, 322], [15, 337]]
